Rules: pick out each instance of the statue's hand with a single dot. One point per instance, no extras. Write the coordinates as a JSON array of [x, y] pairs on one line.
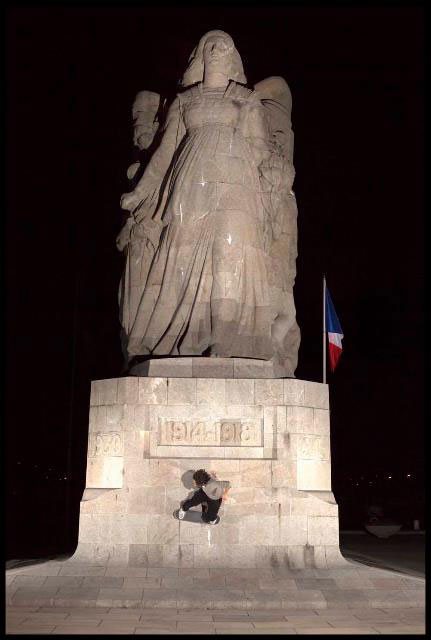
[[122, 240], [123, 237], [129, 201]]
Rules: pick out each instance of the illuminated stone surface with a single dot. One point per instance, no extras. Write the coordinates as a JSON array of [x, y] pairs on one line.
[[276, 455], [211, 239]]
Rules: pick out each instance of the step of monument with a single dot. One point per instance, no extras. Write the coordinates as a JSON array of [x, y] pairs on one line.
[[62, 584]]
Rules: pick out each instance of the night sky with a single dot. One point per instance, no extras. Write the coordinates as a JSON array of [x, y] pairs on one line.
[[356, 76]]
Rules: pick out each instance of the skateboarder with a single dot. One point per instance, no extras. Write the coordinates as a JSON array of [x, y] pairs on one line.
[[209, 494]]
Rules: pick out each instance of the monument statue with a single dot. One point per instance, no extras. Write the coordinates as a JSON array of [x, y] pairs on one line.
[[210, 246], [210, 241]]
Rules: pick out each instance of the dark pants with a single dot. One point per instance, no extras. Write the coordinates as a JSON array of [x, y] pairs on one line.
[[199, 497]]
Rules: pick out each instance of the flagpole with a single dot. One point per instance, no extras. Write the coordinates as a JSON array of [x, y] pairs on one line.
[[324, 330]]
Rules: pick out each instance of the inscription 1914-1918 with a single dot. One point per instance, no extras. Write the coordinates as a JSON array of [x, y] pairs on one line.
[[212, 433]]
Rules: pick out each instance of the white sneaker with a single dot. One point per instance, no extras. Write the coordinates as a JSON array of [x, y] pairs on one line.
[[214, 521], [181, 514]]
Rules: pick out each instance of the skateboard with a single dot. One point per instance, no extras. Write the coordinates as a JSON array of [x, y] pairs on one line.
[[193, 516]]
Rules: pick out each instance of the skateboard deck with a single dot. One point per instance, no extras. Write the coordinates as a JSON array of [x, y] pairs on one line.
[[193, 516]]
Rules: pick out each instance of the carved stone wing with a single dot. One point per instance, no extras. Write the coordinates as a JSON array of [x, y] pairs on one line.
[[276, 98], [280, 204], [277, 172]]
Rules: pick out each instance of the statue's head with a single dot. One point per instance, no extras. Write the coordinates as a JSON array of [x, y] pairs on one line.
[[145, 110], [216, 50]]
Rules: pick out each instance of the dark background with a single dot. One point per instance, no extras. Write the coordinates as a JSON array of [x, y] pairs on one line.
[[356, 76]]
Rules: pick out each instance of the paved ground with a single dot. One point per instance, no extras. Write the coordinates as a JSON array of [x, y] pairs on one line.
[[65, 597], [404, 552], [111, 620]]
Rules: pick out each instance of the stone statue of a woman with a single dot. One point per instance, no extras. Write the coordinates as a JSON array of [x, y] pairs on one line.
[[198, 239]]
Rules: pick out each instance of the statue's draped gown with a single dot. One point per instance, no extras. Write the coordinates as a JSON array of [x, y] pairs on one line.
[[204, 287]]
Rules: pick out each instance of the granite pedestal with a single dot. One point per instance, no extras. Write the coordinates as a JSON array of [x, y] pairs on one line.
[[269, 437]]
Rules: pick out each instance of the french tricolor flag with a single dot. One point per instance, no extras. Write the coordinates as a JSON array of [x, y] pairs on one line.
[[334, 330]]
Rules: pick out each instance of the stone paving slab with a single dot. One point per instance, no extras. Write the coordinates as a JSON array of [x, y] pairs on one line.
[[54, 598], [345, 631], [135, 621], [42, 622]]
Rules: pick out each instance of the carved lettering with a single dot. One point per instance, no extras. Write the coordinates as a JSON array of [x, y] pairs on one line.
[[197, 432], [313, 447], [229, 434], [178, 431], [105, 444], [246, 432], [295, 396], [210, 432]]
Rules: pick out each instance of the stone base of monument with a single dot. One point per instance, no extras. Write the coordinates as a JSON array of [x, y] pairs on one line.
[[200, 367], [269, 437]]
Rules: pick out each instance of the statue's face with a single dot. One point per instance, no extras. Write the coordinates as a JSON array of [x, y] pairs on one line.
[[216, 54]]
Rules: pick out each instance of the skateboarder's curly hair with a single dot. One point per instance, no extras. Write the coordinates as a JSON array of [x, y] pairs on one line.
[[201, 477]]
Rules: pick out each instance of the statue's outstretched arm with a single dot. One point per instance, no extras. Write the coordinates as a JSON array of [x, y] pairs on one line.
[[146, 193]]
